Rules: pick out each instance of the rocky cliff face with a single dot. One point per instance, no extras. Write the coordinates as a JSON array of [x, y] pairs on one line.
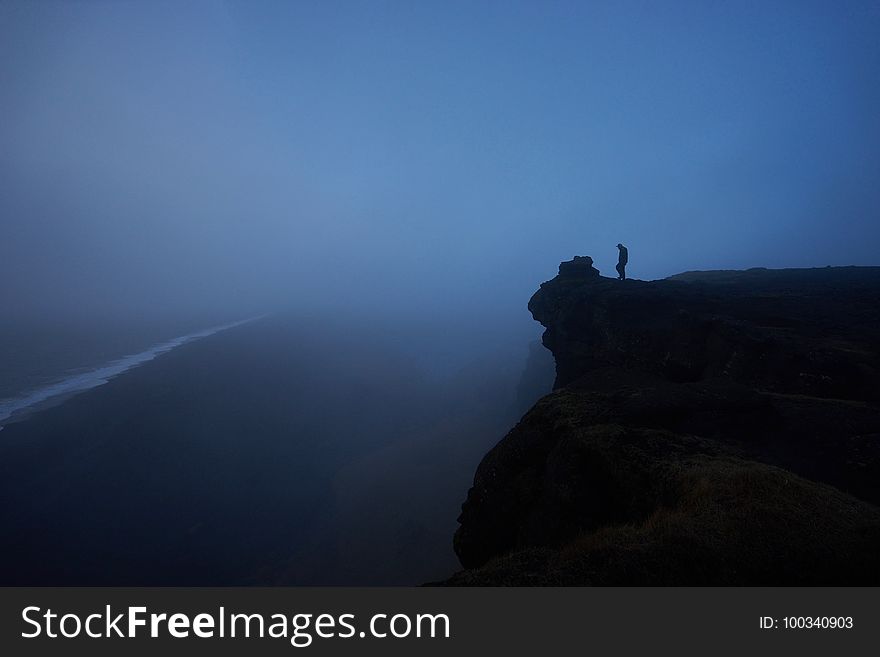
[[710, 428], [804, 331]]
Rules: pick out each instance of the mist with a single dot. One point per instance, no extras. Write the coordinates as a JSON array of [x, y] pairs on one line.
[[422, 160], [399, 178]]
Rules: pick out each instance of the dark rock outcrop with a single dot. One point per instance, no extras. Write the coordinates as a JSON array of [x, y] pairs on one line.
[[578, 267], [711, 428], [812, 331]]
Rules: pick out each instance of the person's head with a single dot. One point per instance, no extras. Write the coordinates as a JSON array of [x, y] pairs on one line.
[[619, 245]]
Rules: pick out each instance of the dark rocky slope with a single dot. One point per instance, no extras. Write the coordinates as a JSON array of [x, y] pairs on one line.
[[710, 428]]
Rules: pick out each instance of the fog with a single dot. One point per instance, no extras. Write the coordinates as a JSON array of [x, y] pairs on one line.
[[386, 184], [429, 159]]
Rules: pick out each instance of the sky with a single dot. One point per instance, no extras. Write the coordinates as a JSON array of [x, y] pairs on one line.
[[423, 158]]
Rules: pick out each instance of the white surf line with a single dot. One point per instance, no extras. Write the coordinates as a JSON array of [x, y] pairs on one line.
[[99, 376]]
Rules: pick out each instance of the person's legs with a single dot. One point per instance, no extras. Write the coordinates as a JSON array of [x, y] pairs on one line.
[[620, 271]]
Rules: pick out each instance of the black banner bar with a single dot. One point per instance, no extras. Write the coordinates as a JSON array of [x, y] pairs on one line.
[[436, 621]]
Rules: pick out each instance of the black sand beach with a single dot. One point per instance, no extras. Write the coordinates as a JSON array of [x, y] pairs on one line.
[[234, 460]]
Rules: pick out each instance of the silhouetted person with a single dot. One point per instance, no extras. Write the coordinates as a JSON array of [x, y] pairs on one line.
[[622, 259]]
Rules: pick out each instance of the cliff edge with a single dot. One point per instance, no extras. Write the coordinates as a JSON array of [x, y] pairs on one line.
[[709, 428]]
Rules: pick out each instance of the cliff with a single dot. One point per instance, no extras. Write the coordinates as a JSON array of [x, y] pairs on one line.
[[709, 428]]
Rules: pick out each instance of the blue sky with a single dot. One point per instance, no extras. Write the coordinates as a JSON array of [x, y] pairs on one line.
[[425, 157]]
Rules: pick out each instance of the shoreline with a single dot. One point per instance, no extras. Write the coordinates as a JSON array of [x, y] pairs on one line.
[[15, 409]]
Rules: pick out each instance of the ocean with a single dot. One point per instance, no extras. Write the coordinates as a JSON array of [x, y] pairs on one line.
[[48, 375]]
